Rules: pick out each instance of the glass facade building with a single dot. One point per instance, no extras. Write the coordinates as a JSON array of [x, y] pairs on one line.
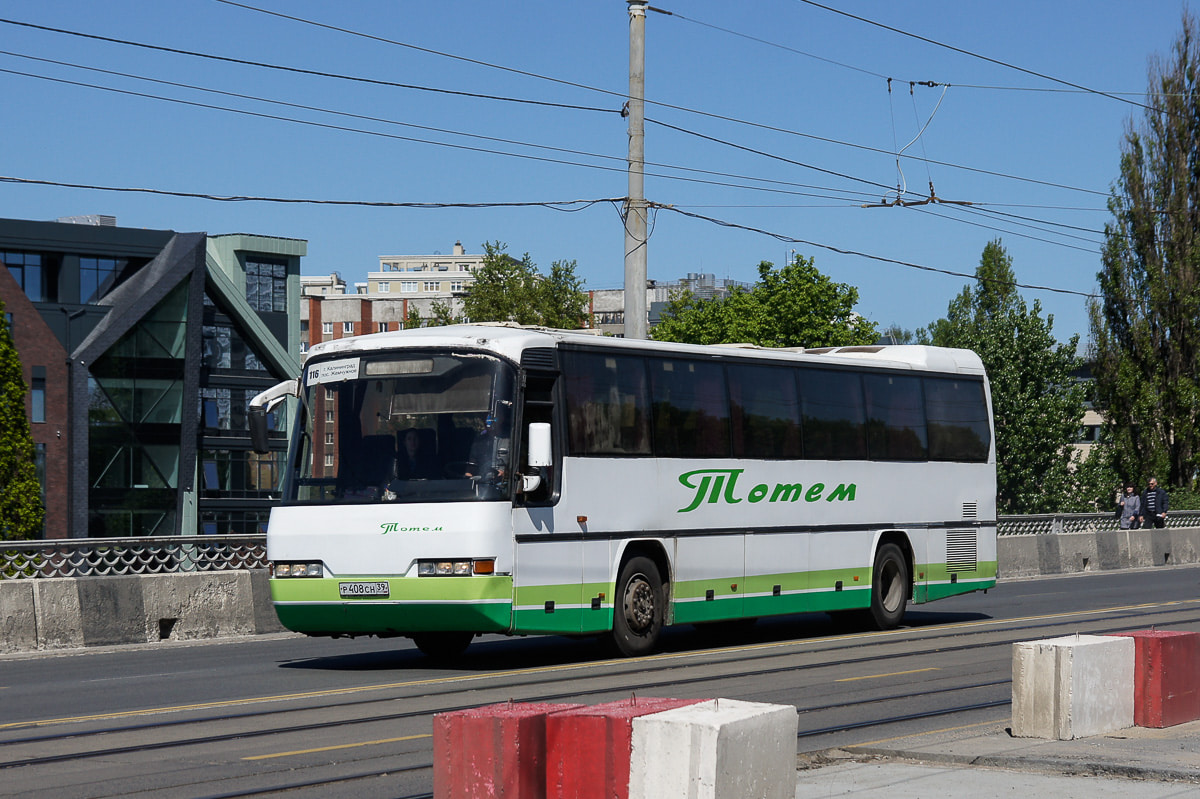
[[142, 350]]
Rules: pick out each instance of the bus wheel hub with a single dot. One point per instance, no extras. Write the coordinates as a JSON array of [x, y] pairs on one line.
[[639, 603]]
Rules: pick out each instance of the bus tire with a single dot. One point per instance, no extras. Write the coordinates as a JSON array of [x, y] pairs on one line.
[[890, 588], [638, 611], [443, 645]]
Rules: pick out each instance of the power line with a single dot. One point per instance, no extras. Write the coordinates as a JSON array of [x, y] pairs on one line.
[[776, 45], [343, 128], [554, 205], [413, 139], [684, 109], [429, 128], [766, 154], [1008, 231], [312, 72], [972, 54], [842, 251], [865, 71], [429, 51]]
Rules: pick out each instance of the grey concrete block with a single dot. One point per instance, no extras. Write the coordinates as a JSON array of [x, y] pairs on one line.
[[265, 620], [1078, 552], [1072, 687], [196, 605], [1049, 555], [60, 622], [18, 620], [112, 611]]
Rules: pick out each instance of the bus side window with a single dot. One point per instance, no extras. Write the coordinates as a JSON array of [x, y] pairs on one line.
[[834, 422], [608, 411], [765, 412], [958, 420], [691, 409], [895, 418]]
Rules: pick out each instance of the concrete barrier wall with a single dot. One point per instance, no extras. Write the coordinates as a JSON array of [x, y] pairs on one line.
[[61, 613], [1068, 553]]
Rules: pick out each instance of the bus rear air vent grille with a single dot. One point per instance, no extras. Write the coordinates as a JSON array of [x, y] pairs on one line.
[[970, 510], [961, 554], [539, 358]]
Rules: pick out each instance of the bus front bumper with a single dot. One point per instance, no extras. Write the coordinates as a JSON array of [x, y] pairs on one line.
[[320, 606]]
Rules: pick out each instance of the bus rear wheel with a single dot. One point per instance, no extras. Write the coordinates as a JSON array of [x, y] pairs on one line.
[[639, 608], [890, 587], [443, 645]]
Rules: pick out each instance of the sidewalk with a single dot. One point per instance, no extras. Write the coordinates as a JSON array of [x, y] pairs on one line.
[[985, 761]]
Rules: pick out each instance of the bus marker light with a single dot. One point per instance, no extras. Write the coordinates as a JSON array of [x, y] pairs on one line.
[[856, 578], [485, 566], [581, 519], [733, 587]]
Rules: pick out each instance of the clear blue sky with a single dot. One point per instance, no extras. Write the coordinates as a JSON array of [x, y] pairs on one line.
[[810, 80]]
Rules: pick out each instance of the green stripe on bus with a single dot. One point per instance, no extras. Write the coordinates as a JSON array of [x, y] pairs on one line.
[[406, 589]]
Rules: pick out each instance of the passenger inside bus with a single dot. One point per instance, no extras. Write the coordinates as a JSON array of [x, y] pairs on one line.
[[417, 456]]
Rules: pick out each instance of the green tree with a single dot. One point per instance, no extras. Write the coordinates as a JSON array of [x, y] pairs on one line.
[[21, 511], [1145, 327], [1036, 402], [561, 298], [795, 306], [440, 314], [413, 320], [510, 290]]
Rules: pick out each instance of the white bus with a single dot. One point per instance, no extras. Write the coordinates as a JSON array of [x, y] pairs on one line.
[[452, 481]]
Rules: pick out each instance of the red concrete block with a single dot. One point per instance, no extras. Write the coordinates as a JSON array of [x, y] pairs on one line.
[[1166, 673], [588, 750], [492, 751]]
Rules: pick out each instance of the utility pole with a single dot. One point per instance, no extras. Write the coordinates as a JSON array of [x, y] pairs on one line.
[[635, 206]]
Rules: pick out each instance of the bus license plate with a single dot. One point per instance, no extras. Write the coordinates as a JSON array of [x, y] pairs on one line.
[[363, 589]]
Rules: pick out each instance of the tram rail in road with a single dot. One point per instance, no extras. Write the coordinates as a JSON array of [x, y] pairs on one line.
[[371, 737]]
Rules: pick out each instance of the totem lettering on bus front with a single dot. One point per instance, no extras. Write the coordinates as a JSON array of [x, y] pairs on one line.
[[394, 527], [720, 485]]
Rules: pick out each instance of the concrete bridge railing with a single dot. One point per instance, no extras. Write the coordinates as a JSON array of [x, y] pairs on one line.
[[93, 592]]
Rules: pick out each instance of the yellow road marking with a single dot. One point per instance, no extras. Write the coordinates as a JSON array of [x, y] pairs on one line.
[[931, 732], [893, 674], [285, 697], [339, 746], [569, 667]]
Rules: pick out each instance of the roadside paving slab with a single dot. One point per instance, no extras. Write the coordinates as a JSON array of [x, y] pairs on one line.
[[1164, 763]]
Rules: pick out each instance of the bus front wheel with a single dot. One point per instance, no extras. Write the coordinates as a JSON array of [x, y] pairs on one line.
[[639, 608], [443, 645], [889, 587]]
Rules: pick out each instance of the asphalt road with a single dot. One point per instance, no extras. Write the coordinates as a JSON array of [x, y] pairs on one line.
[[326, 718]]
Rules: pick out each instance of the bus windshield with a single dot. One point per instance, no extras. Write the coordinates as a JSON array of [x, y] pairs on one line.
[[404, 427]]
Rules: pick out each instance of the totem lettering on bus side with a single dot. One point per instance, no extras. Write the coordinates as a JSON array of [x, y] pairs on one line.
[[714, 486]]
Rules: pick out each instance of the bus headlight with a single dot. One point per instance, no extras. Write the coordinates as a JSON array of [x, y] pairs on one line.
[[455, 568], [299, 569]]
